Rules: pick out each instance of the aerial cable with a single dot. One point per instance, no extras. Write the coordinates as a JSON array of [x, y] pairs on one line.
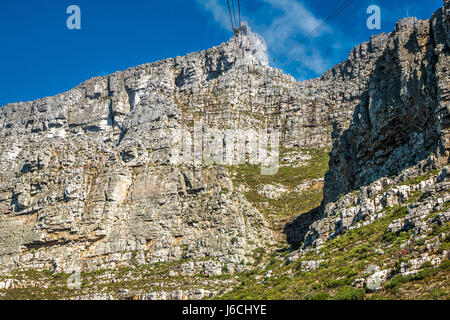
[[331, 17], [231, 16], [234, 13], [356, 8], [239, 9]]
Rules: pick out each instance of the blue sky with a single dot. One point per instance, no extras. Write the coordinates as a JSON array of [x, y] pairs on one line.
[[40, 57]]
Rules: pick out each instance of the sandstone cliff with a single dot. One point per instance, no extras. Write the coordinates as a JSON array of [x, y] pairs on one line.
[[87, 181]]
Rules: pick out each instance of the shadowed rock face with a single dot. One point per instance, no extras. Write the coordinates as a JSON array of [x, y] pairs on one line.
[[399, 131], [86, 179], [403, 115]]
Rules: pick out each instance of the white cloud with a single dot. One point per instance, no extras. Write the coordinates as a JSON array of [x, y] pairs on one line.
[[282, 23], [295, 20], [311, 59]]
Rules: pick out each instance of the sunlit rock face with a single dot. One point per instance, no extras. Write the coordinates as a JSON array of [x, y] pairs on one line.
[[86, 177], [254, 47], [87, 181]]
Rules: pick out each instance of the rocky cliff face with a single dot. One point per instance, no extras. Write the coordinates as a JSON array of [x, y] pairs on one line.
[[86, 176], [399, 130], [403, 115], [87, 180]]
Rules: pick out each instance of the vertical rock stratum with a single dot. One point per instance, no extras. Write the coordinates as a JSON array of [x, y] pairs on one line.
[[87, 182]]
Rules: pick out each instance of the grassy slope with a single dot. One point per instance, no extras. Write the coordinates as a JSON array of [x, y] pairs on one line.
[[291, 203], [347, 258], [147, 278]]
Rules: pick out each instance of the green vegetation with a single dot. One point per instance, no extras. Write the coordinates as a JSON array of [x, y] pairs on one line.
[[289, 176], [349, 293], [49, 286], [426, 272], [419, 179], [347, 258]]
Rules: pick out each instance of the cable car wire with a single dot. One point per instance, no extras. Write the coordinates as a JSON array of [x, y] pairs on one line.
[[231, 16], [234, 13], [235, 26], [239, 9], [330, 18]]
